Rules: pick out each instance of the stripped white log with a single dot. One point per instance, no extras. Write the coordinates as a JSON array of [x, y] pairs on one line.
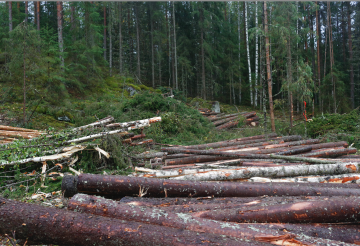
[[46, 158], [104, 122], [284, 171], [103, 134], [134, 123], [344, 178]]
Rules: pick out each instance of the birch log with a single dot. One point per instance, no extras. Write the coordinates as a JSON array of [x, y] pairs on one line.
[[289, 171], [103, 122], [344, 178], [134, 123]]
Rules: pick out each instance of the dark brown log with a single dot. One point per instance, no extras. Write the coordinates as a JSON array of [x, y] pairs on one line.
[[296, 151], [44, 225], [175, 156], [249, 115], [138, 136], [228, 125], [331, 153], [119, 186], [109, 208], [220, 122], [225, 116], [224, 143], [195, 159], [249, 120], [348, 156], [147, 141], [333, 210]]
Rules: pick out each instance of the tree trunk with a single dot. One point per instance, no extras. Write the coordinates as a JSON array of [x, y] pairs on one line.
[[248, 55], [289, 73], [352, 85], [152, 44], [24, 85], [10, 17], [256, 55], [239, 52], [26, 11], [60, 34], [331, 54], [318, 53], [202, 52], [120, 38], [110, 37], [38, 15], [104, 33], [72, 19], [272, 117], [138, 42], [175, 58]]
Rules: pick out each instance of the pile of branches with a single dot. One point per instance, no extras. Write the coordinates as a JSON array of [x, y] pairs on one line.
[[226, 121], [58, 148], [146, 211]]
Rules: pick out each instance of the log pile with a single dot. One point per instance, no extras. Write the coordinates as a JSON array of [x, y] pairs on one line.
[[8, 134], [226, 121]]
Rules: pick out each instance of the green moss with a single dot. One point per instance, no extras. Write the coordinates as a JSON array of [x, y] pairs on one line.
[[135, 87]]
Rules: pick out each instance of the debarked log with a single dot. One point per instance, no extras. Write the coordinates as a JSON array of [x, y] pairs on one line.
[[333, 210], [44, 225], [109, 208], [120, 186], [288, 171]]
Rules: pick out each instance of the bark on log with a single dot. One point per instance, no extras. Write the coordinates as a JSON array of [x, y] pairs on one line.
[[43, 225], [289, 171], [134, 123], [228, 125], [249, 120], [147, 141], [349, 156], [304, 159], [269, 164], [296, 151], [223, 143], [195, 159], [109, 208], [150, 155], [18, 134], [249, 115], [345, 178], [333, 210], [331, 153], [220, 122], [225, 116], [120, 186], [101, 122], [177, 166]]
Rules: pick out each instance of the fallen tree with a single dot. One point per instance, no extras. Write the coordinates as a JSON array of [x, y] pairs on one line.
[[120, 186]]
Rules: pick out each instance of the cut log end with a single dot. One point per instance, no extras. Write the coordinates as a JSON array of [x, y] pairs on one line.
[[69, 185]]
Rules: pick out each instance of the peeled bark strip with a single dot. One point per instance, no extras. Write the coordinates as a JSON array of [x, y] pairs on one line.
[[223, 143], [109, 208], [101, 122], [332, 153], [44, 225], [288, 171], [120, 186], [134, 123], [329, 211]]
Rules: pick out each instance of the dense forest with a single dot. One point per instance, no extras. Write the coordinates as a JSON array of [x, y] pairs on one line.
[[248, 53]]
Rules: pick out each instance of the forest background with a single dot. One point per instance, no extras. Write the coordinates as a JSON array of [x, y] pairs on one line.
[[213, 50]]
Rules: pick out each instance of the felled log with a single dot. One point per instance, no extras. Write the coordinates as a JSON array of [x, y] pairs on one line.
[[195, 159], [349, 156], [268, 164], [150, 155], [228, 125], [119, 186], [296, 151], [19, 134], [304, 159], [252, 119], [225, 116], [333, 210], [44, 225], [177, 166], [344, 178], [17, 129], [289, 171], [249, 115], [224, 143], [220, 122], [147, 141], [254, 123], [109, 208], [134, 123], [101, 122], [331, 153]]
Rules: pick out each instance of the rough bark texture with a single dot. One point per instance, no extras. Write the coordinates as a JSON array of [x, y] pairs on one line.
[[228, 125], [331, 153], [109, 208], [120, 186], [10, 17], [43, 225], [328, 211], [60, 33]]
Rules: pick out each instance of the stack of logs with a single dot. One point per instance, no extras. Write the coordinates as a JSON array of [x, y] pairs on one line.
[[226, 121], [257, 158], [146, 211], [8, 134]]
